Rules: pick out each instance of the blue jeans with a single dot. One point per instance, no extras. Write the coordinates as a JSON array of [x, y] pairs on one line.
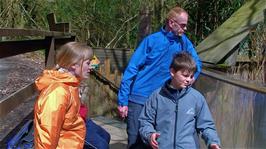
[[134, 139], [96, 136]]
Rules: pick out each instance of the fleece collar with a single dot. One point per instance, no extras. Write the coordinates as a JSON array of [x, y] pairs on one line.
[[170, 35], [171, 93]]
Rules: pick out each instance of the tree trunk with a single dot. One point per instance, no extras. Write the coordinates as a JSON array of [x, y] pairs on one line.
[[145, 23]]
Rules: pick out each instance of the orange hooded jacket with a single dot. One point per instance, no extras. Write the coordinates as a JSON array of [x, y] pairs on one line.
[[57, 123]]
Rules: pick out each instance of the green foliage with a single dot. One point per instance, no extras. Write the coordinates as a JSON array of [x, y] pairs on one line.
[[115, 23], [207, 15]]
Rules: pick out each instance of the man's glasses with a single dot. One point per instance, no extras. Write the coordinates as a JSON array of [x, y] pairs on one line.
[[180, 25]]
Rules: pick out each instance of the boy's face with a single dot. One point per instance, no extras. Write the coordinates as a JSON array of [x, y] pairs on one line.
[[181, 79]]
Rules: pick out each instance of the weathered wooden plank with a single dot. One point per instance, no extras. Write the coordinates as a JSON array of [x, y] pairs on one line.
[[118, 57], [223, 78], [14, 120], [15, 99], [31, 32], [11, 48], [216, 47], [107, 68]]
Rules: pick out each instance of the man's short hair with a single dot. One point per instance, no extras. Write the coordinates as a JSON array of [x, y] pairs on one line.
[[183, 61], [174, 12]]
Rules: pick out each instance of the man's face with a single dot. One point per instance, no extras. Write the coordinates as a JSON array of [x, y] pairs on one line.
[[178, 25], [181, 79]]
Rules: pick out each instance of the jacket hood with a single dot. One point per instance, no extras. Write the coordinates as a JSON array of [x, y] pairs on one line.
[[53, 76]]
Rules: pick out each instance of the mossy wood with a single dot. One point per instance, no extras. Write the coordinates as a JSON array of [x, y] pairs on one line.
[[218, 46]]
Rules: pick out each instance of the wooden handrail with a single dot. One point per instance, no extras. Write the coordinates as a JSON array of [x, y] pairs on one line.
[[104, 80], [239, 83], [31, 32], [204, 72], [12, 101]]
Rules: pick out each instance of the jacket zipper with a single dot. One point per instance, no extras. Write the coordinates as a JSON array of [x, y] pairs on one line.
[[176, 111], [176, 100]]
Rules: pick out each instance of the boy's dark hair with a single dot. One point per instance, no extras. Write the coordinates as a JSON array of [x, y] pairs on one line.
[[183, 61]]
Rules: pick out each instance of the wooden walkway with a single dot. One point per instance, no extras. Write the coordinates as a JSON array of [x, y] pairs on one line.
[[117, 130]]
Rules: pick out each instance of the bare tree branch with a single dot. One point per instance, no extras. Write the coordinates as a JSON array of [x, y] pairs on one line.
[[115, 37], [28, 15], [123, 35]]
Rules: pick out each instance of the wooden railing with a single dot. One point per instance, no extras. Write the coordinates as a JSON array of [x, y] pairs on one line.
[[48, 40]]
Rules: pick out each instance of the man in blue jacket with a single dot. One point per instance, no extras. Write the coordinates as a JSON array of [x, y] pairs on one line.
[[176, 114], [148, 69]]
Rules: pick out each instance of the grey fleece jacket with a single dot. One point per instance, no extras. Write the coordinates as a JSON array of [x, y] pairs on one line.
[[179, 117]]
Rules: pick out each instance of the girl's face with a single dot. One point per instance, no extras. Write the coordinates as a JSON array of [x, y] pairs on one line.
[[82, 70]]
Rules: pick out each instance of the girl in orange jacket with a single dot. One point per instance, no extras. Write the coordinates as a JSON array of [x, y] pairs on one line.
[[57, 122]]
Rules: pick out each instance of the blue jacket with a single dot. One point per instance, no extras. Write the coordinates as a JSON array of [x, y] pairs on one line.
[[179, 117], [149, 66]]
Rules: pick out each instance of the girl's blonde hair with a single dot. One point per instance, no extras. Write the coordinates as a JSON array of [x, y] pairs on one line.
[[73, 53], [174, 12]]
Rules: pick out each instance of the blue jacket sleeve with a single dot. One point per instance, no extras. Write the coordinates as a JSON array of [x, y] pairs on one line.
[[136, 62], [206, 126], [147, 119], [190, 48]]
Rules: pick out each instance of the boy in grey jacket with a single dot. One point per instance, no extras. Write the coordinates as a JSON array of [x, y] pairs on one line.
[[176, 114]]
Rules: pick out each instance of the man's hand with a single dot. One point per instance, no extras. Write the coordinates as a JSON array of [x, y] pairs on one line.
[[122, 110], [154, 143], [214, 146]]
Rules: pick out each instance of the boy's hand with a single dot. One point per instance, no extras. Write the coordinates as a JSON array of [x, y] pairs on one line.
[[122, 110], [154, 143], [214, 146]]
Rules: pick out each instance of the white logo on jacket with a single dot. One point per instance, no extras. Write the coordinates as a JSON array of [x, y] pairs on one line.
[[190, 111]]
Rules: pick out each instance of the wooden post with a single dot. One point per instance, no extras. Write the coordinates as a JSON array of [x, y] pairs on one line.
[[51, 21], [145, 23], [264, 72], [264, 12], [116, 76], [107, 68], [264, 63], [50, 53], [54, 26]]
